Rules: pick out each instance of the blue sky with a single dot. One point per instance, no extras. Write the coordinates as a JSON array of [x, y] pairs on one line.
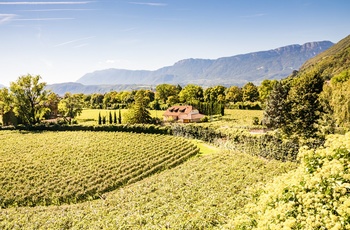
[[63, 40]]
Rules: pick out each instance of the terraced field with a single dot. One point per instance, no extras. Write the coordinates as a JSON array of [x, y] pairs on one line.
[[54, 168]]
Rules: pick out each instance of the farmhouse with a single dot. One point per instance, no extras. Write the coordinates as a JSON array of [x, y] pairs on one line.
[[182, 113]]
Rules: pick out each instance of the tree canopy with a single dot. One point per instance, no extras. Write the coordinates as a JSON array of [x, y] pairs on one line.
[[29, 98]]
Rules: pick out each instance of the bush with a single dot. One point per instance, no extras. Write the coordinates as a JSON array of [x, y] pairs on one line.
[[314, 196]]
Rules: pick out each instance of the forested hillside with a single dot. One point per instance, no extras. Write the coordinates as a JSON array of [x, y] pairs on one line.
[[315, 100]]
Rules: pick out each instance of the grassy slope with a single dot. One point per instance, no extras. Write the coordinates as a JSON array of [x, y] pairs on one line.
[[205, 192]]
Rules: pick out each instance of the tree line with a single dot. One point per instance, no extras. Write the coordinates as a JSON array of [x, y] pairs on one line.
[[309, 104], [30, 102]]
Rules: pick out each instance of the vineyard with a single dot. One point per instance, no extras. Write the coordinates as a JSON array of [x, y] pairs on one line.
[[53, 168], [205, 192]]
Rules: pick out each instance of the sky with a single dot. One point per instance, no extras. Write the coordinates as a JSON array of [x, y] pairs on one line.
[[63, 40]]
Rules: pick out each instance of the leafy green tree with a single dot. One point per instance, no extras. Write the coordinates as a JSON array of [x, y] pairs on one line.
[[6, 105], [335, 99], [265, 89], [164, 91], [277, 108], [96, 101], [29, 98], [111, 99], [304, 104], [191, 94], [234, 94], [215, 94], [126, 97], [6, 101], [138, 114], [250, 92], [71, 105]]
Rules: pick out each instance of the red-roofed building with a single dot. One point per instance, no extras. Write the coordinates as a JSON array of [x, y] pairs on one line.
[[182, 113]]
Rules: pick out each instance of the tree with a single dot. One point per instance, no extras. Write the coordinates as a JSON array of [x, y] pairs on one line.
[[234, 94], [276, 111], [52, 101], [191, 94], [110, 118], [29, 99], [71, 105], [96, 101], [215, 94], [164, 91], [250, 92], [99, 119], [265, 89], [138, 114], [6, 101], [110, 100], [6, 108], [304, 104], [120, 117], [115, 117]]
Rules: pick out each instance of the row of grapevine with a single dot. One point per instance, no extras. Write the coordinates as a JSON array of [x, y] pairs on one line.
[[69, 167]]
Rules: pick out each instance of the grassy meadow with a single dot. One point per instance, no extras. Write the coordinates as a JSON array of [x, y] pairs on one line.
[[233, 118]]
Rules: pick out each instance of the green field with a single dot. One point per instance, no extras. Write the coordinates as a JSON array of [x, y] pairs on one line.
[[233, 118], [203, 193], [90, 116], [69, 167]]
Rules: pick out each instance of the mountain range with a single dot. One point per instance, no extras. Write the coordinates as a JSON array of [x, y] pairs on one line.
[[235, 70]]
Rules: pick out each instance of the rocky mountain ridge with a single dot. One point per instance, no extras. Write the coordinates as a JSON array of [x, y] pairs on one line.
[[235, 70]]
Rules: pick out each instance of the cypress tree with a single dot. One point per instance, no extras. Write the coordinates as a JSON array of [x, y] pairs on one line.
[[120, 117], [99, 119], [115, 118], [110, 118]]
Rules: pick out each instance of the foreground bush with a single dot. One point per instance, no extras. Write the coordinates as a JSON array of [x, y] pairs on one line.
[[315, 196]]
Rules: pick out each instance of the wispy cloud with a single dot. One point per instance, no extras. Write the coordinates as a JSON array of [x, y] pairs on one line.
[[6, 18], [44, 3], [149, 3], [74, 41], [52, 10], [42, 19]]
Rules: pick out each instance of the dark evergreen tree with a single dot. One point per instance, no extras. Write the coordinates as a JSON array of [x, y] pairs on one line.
[[99, 119], [110, 118], [115, 118], [276, 111], [120, 117]]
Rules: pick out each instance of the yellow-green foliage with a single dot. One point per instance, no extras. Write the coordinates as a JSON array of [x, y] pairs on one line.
[[202, 193], [90, 116], [69, 167], [314, 196], [234, 119]]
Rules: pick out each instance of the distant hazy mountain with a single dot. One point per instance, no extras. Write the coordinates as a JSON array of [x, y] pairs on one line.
[[236, 70], [2, 86], [72, 87]]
